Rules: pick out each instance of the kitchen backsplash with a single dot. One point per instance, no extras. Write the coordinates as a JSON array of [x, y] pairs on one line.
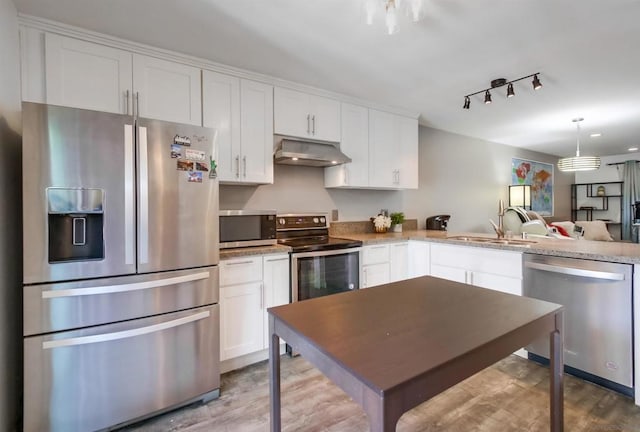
[[337, 229]]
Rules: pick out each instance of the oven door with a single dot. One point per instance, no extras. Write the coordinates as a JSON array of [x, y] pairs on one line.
[[321, 273]]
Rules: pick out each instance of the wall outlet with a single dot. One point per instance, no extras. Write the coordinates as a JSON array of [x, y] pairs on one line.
[[334, 215]]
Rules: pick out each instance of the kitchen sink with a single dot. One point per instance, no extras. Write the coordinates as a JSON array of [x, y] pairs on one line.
[[488, 240]]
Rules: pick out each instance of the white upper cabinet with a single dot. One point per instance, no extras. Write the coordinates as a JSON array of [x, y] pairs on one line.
[[92, 76], [242, 112], [303, 115], [393, 151], [86, 75], [256, 131], [166, 90], [355, 144]]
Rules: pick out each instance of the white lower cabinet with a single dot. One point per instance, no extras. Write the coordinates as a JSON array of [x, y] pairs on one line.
[[248, 286], [375, 274], [398, 261], [419, 258], [384, 263], [450, 273]]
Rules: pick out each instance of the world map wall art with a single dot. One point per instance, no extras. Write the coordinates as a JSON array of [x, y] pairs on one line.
[[540, 176]]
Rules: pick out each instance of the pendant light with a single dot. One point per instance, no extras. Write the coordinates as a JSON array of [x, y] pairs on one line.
[[578, 163]]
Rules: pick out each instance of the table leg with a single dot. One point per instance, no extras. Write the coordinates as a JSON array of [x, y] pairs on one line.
[[556, 369], [274, 377], [382, 417]]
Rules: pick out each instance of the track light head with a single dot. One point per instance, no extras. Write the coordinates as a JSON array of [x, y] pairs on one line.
[[467, 102], [487, 97], [510, 92], [536, 82]]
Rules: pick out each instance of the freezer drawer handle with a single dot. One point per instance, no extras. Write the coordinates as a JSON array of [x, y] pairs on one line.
[[576, 271], [84, 340], [108, 289]]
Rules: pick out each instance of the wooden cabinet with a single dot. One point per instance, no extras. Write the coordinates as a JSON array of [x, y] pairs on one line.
[[487, 268], [299, 114], [384, 263], [85, 75], [398, 261], [393, 151], [276, 287], [355, 144], [419, 258], [242, 113], [92, 76], [248, 286]]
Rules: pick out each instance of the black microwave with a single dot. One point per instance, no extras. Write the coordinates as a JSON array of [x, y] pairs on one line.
[[241, 228]]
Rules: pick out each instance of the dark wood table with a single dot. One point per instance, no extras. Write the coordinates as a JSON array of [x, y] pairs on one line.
[[395, 346]]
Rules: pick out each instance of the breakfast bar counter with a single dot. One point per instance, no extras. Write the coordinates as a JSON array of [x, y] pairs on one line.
[[394, 346]]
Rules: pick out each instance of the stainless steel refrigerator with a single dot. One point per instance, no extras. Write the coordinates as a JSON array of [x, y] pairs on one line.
[[121, 315]]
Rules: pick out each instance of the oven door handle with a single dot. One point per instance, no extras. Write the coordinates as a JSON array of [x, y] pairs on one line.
[[325, 253]]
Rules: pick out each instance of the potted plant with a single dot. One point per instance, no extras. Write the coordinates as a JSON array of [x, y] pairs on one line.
[[396, 221]]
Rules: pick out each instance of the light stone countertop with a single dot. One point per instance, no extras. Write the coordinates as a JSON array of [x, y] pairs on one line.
[[255, 250], [583, 249]]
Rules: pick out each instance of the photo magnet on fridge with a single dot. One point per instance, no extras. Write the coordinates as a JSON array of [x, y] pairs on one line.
[[184, 165], [182, 140], [176, 151], [201, 166], [195, 177], [196, 155]]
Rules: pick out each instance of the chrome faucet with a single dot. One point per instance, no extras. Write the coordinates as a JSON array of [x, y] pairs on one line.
[[499, 229]]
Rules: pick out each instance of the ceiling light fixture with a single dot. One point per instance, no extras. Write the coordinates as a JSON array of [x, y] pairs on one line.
[[595, 135], [578, 163], [499, 82], [391, 9], [633, 149]]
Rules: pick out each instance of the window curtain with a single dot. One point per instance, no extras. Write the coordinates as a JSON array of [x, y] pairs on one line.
[[630, 194]]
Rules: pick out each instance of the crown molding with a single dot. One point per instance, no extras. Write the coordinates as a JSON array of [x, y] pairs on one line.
[[135, 47]]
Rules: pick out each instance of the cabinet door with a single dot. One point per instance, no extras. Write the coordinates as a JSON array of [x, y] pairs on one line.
[[398, 261], [166, 90], [221, 110], [503, 284], [240, 270], [256, 107], [87, 75], [375, 254], [408, 164], [291, 113], [276, 286], [241, 320], [325, 119], [419, 258], [375, 274], [450, 273], [355, 144], [384, 149]]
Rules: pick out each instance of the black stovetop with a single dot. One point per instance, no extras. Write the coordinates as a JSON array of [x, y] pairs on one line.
[[318, 243]]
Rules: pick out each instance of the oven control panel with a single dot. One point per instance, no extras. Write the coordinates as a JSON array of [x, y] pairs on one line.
[[301, 221]]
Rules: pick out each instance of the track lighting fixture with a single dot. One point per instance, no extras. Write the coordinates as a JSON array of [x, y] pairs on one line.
[[499, 82]]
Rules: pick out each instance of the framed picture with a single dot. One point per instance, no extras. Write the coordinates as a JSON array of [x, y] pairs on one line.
[[539, 176]]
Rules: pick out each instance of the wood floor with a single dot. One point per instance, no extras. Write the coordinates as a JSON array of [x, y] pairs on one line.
[[510, 396]]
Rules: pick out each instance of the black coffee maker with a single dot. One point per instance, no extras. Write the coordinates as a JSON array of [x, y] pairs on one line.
[[438, 222]]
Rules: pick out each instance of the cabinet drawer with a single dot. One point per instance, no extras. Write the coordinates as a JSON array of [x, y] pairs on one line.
[[485, 260], [240, 270], [376, 274], [375, 254]]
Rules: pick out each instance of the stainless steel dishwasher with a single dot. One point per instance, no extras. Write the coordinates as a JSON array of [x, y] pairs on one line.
[[597, 296]]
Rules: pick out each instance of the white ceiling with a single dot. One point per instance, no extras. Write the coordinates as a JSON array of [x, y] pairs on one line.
[[585, 50]]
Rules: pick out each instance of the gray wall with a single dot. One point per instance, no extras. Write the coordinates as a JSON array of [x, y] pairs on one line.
[[460, 176], [10, 219]]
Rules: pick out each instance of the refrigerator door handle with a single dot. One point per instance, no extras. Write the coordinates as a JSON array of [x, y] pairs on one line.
[[109, 289], [84, 340], [143, 166], [129, 199]]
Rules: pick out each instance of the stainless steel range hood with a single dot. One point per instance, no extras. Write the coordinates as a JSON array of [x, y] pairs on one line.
[[309, 153]]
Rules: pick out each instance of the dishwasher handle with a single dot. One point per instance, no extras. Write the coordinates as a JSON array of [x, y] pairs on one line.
[[572, 271]]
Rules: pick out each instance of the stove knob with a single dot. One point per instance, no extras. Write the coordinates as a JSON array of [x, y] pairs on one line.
[[282, 221], [323, 220], [315, 220]]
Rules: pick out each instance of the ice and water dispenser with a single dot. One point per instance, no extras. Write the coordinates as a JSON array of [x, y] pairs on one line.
[[76, 224]]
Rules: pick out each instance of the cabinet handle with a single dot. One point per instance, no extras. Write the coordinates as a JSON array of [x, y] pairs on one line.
[[398, 174], [313, 121], [137, 113], [238, 262], [261, 296], [308, 124], [244, 163], [238, 166], [278, 259], [379, 247], [126, 102], [364, 273], [470, 281]]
